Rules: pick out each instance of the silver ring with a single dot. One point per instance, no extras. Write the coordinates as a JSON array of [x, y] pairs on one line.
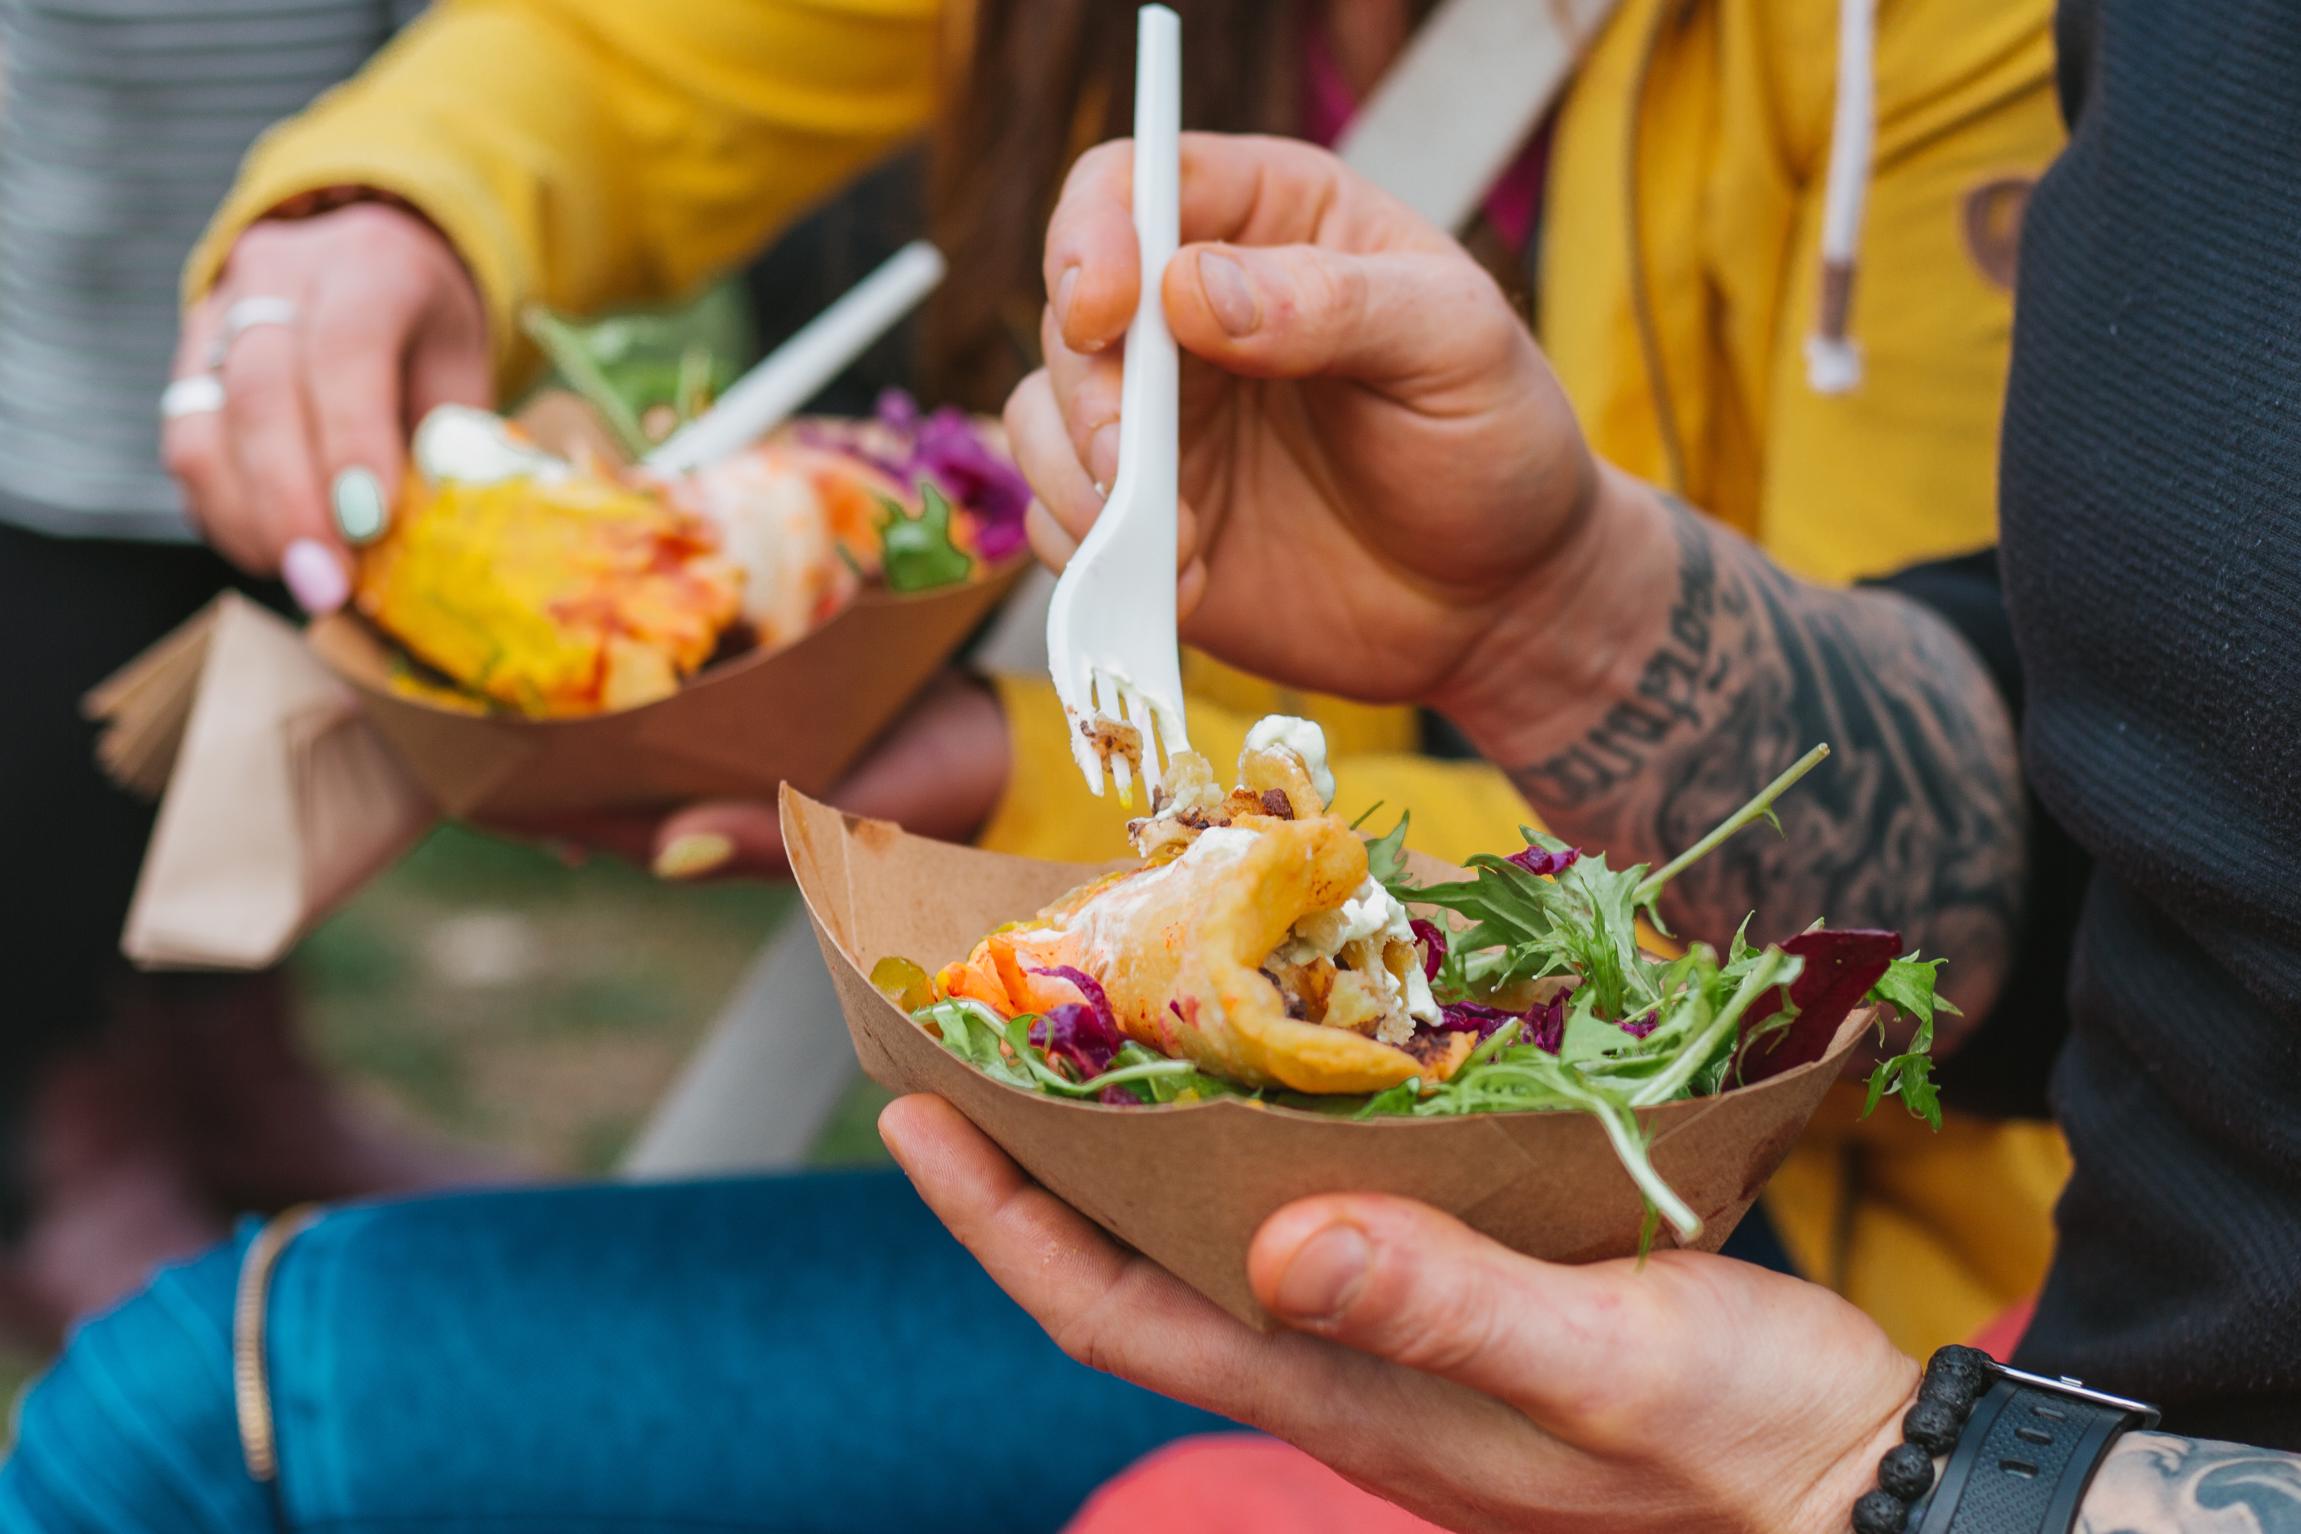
[[246, 315], [200, 394]]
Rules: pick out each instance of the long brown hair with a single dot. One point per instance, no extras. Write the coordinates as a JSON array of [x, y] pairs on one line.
[[1048, 78]]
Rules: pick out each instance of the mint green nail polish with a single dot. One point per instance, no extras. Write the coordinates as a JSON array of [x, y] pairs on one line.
[[358, 502]]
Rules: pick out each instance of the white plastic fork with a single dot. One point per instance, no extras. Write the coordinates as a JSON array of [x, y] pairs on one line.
[[1111, 642]]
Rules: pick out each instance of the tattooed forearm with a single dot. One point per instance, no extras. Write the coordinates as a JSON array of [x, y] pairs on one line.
[[1917, 822], [2155, 1483], [1673, 696]]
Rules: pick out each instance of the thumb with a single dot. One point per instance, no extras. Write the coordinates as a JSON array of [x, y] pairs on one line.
[[715, 839], [1405, 1283], [1392, 318]]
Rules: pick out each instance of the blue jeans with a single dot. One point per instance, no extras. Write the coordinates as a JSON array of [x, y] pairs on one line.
[[789, 1354]]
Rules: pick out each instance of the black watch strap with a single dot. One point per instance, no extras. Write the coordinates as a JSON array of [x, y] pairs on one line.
[[2025, 1458]]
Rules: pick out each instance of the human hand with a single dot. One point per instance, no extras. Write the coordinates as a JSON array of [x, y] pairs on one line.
[[304, 459], [938, 772], [1378, 468], [1478, 1388]]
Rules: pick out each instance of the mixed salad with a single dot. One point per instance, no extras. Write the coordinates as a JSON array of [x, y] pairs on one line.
[[1263, 950], [556, 586]]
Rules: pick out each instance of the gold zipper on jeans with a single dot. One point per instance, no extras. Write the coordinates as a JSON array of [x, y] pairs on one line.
[[251, 1382]]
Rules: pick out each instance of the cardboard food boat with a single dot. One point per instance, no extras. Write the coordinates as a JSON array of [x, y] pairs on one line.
[[801, 713], [1188, 1184]]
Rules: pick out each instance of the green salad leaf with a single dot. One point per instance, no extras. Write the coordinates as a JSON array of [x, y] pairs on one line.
[[1002, 1048], [1386, 856], [1908, 987], [918, 553]]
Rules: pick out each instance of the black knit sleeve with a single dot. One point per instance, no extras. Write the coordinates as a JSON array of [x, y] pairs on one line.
[[2002, 1067]]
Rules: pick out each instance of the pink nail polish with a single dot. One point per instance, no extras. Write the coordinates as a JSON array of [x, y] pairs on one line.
[[314, 576]]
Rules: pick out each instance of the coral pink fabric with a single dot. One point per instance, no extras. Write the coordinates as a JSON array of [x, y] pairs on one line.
[[2000, 1337], [1235, 1483]]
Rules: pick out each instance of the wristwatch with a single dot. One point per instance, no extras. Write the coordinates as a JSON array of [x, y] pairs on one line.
[[2025, 1457]]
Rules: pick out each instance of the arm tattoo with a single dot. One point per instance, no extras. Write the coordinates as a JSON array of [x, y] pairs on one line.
[[1916, 823], [2155, 1483]]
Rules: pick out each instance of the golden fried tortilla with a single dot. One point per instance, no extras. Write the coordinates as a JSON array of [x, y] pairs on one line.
[[1179, 947]]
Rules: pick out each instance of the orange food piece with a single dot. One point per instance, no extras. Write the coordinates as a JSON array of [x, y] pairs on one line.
[[574, 597]]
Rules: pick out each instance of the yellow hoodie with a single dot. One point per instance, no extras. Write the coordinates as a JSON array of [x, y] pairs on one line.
[[589, 153]]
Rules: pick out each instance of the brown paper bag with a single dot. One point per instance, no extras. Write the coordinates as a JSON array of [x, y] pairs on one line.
[[278, 797], [1188, 1185]]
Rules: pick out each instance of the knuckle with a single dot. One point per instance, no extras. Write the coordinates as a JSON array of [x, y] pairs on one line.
[[1448, 1333], [188, 455], [352, 321], [1100, 161], [259, 376], [1337, 290], [1084, 1336], [1094, 1333], [262, 240]]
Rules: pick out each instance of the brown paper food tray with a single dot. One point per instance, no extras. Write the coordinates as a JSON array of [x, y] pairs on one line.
[[800, 714], [1188, 1185]]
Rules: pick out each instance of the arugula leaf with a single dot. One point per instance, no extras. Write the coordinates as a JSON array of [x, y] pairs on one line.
[[1588, 1038], [1908, 986], [1759, 808], [1386, 859], [1168, 1085], [917, 552], [1603, 944], [1392, 1100], [976, 1035], [1001, 1047]]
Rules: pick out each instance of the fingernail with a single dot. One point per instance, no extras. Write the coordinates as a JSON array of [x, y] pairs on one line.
[[358, 502], [314, 576], [1319, 1284], [1065, 287], [1229, 292], [1103, 454], [693, 855]]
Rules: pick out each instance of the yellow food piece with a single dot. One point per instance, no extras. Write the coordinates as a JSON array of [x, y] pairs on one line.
[[903, 983], [573, 597]]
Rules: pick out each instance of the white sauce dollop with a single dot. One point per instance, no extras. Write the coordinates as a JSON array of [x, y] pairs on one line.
[[461, 445], [1305, 739], [1371, 911]]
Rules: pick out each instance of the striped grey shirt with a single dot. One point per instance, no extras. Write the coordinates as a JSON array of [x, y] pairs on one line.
[[121, 125]]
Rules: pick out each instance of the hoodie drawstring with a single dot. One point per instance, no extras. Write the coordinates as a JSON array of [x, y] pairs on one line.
[[1833, 361]]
